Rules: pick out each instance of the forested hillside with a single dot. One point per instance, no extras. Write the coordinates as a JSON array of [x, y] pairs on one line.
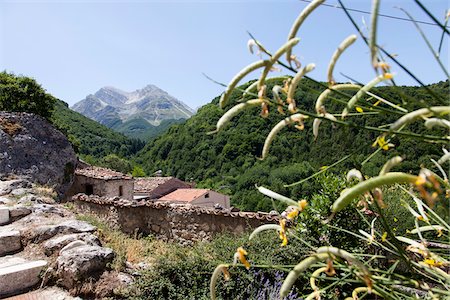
[[141, 129], [91, 138], [228, 161]]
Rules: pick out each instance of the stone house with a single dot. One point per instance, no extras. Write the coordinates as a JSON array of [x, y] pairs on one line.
[[91, 180], [156, 187], [197, 197]]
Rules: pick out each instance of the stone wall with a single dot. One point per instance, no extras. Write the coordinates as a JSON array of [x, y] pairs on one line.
[[102, 187], [184, 224]]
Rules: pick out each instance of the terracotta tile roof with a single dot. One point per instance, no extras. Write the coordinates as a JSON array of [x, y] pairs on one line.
[[148, 184], [156, 187], [187, 195], [101, 173]]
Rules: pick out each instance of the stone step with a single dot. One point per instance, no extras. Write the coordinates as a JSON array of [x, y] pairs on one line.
[[18, 275], [52, 293], [4, 215], [9, 242]]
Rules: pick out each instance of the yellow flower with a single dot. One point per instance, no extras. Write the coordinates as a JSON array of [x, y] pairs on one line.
[[240, 254], [295, 211], [292, 214], [264, 110], [384, 236], [302, 204], [359, 109], [226, 274], [433, 263], [381, 142], [283, 236], [388, 75]]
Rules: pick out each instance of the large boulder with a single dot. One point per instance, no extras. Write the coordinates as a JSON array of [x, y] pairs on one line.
[[32, 148], [79, 262]]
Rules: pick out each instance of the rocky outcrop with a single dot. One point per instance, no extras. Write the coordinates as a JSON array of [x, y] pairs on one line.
[[41, 241], [31, 148]]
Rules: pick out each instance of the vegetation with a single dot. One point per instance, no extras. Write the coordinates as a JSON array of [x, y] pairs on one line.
[[90, 139], [141, 129], [409, 260], [180, 272], [229, 160], [24, 94]]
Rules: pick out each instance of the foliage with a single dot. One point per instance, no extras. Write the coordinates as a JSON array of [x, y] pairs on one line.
[[141, 129], [114, 162], [229, 160], [138, 172], [24, 94], [376, 258], [90, 139], [182, 272]]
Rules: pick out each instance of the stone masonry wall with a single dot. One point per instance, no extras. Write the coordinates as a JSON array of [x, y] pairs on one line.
[[171, 222], [102, 187]]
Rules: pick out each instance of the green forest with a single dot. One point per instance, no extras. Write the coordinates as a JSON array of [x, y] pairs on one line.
[[228, 161]]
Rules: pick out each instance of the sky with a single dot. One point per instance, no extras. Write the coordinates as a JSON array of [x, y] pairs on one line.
[[73, 48]]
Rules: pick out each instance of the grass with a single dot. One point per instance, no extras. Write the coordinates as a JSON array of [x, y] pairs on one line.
[[132, 249]]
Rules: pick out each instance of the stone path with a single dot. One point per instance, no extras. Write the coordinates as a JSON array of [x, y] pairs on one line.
[[40, 240], [45, 294]]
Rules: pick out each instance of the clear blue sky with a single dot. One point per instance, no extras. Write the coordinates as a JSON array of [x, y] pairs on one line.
[[73, 48]]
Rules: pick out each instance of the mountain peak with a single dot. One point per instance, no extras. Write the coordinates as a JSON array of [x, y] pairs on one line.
[[110, 105]]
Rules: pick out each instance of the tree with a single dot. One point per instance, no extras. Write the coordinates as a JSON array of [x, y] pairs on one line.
[[24, 94], [116, 163]]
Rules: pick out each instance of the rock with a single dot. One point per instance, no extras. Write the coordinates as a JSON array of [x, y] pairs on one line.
[[35, 150], [18, 212], [50, 293], [44, 232], [18, 277], [77, 264], [143, 266], [20, 192], [57, 243], [4, 215], [125, 279], [47, 209], [4, 200], [72, 245], [28, 199], [6, 186], [9, 242]]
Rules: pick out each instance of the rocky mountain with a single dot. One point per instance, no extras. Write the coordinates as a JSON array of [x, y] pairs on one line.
[[113, 107]]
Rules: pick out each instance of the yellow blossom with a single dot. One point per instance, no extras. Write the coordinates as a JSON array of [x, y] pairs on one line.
[[240, 254], [292, 214], [384, 236], [381, 142], [226, 274], [433, 263], [283, 236], [302, 204], [388, 76], [264, 110], [359, 109], [330, 271]]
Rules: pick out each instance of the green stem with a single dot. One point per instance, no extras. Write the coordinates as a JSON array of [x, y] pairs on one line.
[[388, 179], [318, 173]]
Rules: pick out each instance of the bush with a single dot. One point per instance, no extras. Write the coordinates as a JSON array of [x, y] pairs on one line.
[[24, 94]]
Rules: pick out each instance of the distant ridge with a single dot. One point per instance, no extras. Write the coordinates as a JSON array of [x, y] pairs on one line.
[[113, 107]]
